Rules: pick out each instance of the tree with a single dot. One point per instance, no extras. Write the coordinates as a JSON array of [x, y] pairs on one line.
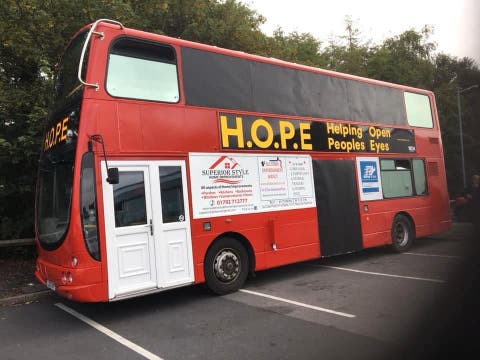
[[294, 47], [404, 59], [229, 23], [33, 35], [347, 54], [451, 73]]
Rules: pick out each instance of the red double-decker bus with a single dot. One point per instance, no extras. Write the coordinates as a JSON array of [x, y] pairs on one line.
[[167, 163]]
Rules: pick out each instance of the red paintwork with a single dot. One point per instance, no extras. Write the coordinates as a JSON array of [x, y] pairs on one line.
[[150, 130]]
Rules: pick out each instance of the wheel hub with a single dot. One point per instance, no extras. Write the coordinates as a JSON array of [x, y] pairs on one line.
[[401, 235], [226, 266]]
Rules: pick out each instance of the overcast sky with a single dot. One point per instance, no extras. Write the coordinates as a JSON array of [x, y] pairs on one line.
[[456, 22]]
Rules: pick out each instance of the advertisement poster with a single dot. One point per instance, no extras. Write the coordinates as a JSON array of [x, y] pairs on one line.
[[229, 184], [370, 184]]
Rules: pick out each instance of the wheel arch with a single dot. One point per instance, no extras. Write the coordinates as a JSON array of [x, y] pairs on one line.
[[245, 243]]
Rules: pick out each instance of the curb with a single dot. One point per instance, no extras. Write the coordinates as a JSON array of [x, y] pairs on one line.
[[23, 298]]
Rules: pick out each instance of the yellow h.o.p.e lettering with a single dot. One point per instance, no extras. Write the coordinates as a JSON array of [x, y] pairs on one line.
[[236, 131]]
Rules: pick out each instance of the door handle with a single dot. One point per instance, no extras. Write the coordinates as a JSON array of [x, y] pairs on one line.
[[151, 227]]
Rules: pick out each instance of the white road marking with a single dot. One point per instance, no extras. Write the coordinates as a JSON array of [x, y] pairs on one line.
[[435, 255], [297, 303], [138, 349], [376, 273]]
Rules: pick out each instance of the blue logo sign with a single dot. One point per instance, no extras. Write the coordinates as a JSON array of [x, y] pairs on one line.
[[369, 174], [369, 171]]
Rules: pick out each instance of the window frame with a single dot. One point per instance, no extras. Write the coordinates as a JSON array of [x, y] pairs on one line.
[[150, 42], [412, 177]]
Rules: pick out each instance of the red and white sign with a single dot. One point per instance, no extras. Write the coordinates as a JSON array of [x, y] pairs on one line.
[[230, 184]]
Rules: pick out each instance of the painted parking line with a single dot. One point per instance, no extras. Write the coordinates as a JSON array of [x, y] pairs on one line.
[[132, 346], [377, 273], [435, 255], [308, 306]]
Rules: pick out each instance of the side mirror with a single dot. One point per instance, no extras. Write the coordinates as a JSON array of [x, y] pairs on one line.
[[113, 176], [112, 173]]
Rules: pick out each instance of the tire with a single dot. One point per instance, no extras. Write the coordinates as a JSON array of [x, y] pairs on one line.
[[402, 233], [226, 266]]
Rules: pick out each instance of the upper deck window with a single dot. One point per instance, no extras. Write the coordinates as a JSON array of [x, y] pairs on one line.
[[142, 70], [67, 88], [418, 109], [54, 192]]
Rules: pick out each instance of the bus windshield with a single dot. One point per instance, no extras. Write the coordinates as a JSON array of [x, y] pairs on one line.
[[67, 87], [54, 195], [55, 176]]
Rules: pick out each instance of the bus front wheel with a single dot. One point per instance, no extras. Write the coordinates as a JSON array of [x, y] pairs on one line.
[[402, 233], [226, 266]]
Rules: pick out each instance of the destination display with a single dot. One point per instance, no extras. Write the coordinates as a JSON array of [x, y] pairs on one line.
[[56, 134], [256, 133]]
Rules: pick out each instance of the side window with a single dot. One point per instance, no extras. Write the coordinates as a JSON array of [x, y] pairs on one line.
[[403, 177], [88, 205], [142, 70], [396, 178], [418, 109], [419, 176]]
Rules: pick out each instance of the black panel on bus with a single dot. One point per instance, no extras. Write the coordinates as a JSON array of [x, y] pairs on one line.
[[215, 80], [227, 82], [143, 49], [337, 206]]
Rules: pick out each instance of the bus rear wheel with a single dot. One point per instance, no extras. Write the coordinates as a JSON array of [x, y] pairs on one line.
[[402, 233], [226, 266]]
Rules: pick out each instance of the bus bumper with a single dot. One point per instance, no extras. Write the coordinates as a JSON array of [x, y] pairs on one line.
[[83, 285]]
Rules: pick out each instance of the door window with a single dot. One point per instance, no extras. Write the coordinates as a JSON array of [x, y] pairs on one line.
[[129, 199], [171, 189]]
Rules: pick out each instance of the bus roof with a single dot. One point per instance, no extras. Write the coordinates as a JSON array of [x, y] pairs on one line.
[[252, 57]]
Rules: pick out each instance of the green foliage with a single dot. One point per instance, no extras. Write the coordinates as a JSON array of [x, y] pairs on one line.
[[294, 47], [228, 24], [450, 74], [34, 33], [404, 59], [347, 54]]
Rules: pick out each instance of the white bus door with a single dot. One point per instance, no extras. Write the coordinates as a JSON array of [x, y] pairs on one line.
[[147, 227]]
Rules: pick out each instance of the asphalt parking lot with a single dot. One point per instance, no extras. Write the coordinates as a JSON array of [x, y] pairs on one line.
[[369, 305]]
